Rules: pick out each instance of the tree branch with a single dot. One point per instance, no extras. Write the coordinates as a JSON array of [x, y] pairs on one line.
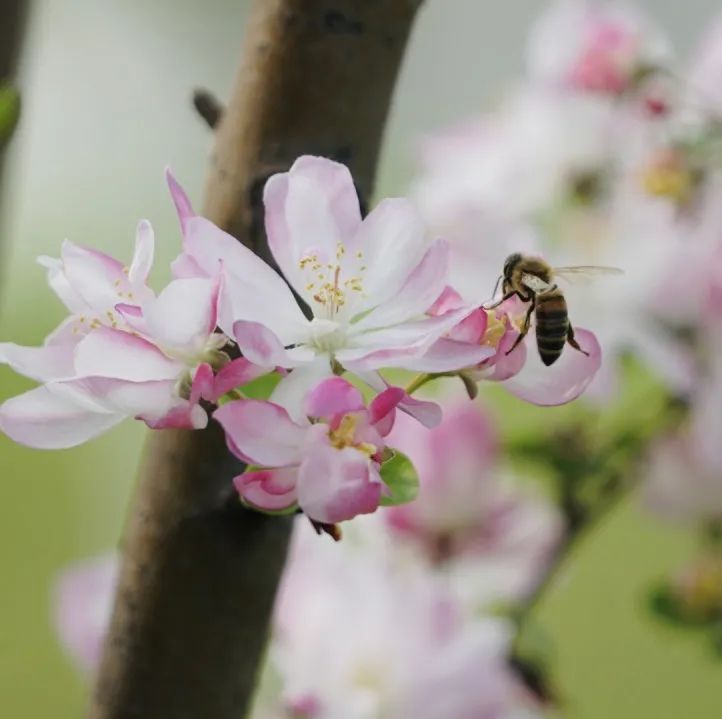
[[199, 573]]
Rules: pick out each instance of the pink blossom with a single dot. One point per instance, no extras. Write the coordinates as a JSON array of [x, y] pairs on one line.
[[467, 512], [594, 46], [327, 465], [367, 282], [517, 366], [359, 638], [123, 352], [83, 600]]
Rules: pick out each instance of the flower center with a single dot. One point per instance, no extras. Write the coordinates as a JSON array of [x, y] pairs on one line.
[[327, 335], [345, 436], [328, 283]]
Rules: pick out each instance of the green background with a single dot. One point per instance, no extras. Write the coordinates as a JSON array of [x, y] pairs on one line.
[[106, 105]]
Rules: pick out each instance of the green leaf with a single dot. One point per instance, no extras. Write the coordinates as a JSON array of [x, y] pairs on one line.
[[399, 475], [9, 112]]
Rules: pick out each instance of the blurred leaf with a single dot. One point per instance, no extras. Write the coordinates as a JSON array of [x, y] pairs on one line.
[[9, 112], [399, 475], [665, 605]]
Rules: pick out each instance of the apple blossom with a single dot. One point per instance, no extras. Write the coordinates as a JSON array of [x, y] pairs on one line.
[[608, 47], [361, 639], [329, 464], [468, 515], [112, 358], [367, 282]]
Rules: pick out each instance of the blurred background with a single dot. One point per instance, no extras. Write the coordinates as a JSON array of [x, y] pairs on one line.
[[106, 106]]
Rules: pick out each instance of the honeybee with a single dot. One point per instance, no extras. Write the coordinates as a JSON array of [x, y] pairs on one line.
[[532, 280]]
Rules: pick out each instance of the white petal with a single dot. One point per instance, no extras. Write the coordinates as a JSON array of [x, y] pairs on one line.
[[45, 420], [254, 291], [292, 389], [112, 353]]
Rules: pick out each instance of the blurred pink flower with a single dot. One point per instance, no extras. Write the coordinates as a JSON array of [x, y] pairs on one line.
[[358, 639], [466, 512], [83, 598], [593, 46], [327, 465]]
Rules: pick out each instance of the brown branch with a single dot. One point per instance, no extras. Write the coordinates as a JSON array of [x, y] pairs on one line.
[[199, 573], [13, 14]]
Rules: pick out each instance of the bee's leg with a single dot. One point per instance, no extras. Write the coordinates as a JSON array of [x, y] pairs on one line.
[[524, 328], [506, 297], [573, 342]]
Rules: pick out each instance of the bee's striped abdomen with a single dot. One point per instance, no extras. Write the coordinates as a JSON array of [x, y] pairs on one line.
[[552, 325]]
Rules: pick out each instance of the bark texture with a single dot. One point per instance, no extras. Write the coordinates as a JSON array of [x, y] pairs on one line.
[[12, 29], [199, 573]]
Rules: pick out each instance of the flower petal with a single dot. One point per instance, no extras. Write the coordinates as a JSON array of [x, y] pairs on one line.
[[235, 374], [113, 353], [331, 397], [262, 347], [447, 356], [268, 489], [143, 255], [262, 432], [254, 292], [291, 391], [382, 409], [563, 381], [54, 361], [47, 420], [420, 289], [392, 240], [92, 275], [180, 200], [184, 315], [337, 484], [399, 345], [309, 210]]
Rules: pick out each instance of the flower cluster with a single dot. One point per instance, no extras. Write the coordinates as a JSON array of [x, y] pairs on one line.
[[357, 295], [395, 620]]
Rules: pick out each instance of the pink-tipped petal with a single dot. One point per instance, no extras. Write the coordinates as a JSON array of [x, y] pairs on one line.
[[254, 291], [425, 411], [471, 329], [504, 366], [183, 416], [184, 314], [382, 409], [332, 397], [291, 391], [337, 484], [309, 210], [392, 240], [563, 381], [235, 374], [419, 291], [262, 431], [261, 346], [447, 356], [46, 420], [203, 385], [268, 489], [448, 300], [113, 353], [180, 200], [92, 275], [45, 363], [143, 255]]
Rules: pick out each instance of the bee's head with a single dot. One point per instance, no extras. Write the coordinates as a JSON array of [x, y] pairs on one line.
[[510, 263]]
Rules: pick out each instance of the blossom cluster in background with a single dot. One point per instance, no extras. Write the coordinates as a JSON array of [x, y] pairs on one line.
[[393, 620]]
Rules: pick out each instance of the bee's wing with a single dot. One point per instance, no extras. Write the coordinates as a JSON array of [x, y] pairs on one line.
[[534, 283], [586, 272]]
